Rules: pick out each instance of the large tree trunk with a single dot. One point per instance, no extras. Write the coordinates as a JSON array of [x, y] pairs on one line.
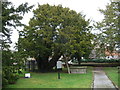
[[42, 63], [53, 61]]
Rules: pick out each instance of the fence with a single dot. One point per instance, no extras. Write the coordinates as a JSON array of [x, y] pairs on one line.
[[31, 65]]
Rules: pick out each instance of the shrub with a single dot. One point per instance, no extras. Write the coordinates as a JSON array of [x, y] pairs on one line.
[[8, 77], [101, 60], [4, 81], [13, 78]]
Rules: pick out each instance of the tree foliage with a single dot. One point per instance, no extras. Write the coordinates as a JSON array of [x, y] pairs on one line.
[[11, 17], [54, 31], [109, 39]]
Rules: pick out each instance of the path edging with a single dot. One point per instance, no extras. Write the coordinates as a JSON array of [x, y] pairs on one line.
[[92, 86]]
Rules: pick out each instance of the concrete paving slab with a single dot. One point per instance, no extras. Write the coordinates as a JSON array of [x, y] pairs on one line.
[[101, 80]]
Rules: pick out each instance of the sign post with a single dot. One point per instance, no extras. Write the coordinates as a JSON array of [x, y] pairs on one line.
[[58, 74], [59, 68]]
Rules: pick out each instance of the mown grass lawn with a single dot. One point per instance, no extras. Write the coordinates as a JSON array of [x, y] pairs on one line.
[[112, 73], [50, 80]]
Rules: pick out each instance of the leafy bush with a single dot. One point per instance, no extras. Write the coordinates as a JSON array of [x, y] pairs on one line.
[[13, 78], [101, 60], [8, 77], [4, 80]]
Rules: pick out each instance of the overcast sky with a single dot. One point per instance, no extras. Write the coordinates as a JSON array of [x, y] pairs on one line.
[[87, 7]]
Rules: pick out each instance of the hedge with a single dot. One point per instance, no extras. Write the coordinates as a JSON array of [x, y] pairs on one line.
[[101, 60]]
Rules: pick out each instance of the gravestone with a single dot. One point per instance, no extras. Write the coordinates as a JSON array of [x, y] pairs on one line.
[[78, 69], [27, 75]]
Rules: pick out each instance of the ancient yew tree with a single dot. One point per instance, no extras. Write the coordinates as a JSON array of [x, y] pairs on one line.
[[54, 31]]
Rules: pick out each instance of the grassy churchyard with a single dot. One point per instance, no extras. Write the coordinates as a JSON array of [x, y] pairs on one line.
[[50, 80], [54, 35], [112, 73]]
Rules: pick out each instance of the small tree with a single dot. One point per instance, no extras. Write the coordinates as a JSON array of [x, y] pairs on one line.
[[109, 39], [11, 17]]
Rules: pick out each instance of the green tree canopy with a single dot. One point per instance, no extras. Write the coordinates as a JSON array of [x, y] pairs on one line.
[[109, 39], [54, 31]]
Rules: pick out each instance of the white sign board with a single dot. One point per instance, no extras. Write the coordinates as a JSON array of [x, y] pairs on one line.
[[27, 75], [59, 64], [82, 58]]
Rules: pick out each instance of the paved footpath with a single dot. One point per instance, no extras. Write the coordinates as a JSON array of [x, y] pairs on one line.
[[101, 80]]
